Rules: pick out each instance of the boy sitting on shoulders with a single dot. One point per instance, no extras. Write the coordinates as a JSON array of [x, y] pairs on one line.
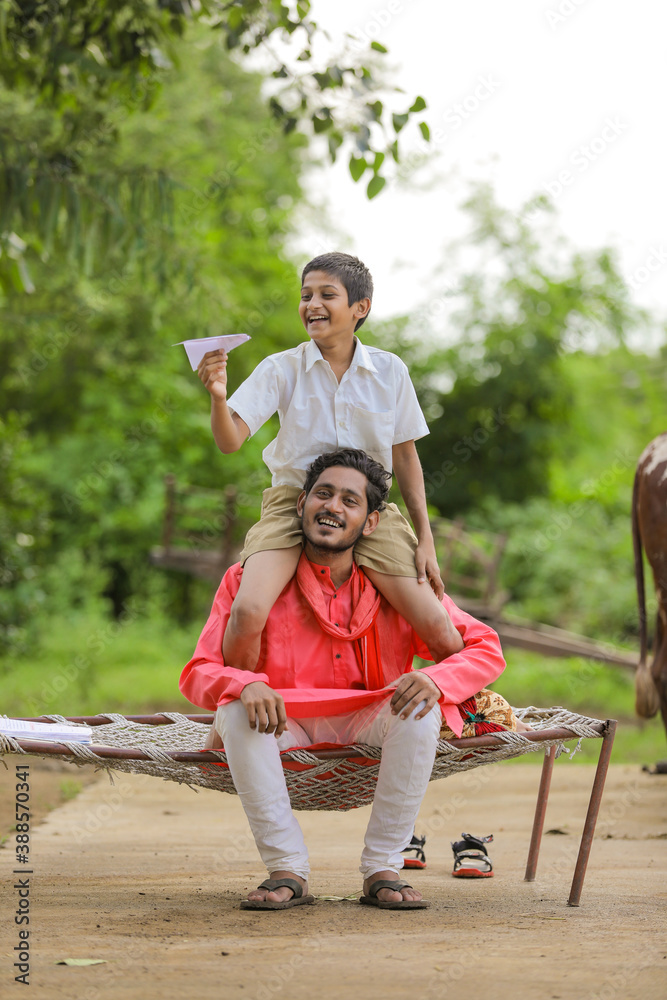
[[330, 392]]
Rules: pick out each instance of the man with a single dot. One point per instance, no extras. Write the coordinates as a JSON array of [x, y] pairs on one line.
[[336, 666]]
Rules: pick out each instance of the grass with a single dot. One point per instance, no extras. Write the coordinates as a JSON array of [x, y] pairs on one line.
[[87, 665], [69, 789], [594, 689]]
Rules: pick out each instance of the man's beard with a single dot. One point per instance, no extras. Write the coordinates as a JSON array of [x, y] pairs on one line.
[[333, 546]]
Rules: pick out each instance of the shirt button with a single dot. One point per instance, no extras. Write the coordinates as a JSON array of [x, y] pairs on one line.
[[338, 656], [322, 571], [336, 624], [335, 596]]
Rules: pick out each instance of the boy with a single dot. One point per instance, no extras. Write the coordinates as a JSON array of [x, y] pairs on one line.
[[330, 393]]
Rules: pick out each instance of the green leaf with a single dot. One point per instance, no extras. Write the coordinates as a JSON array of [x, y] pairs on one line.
[[393, 149], [419, 105], [425, 131], [357, 167], [335, 140], [276, 108], [375, 185], [378, 47], [375, 110], [377, 163], [321, 124], [362, 140], [399, 121]]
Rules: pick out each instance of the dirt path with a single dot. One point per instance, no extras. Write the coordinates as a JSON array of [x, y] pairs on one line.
[[147, 875]]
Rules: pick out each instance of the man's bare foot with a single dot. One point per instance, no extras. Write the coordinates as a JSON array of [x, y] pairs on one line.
[[281, 895], [389, 895]]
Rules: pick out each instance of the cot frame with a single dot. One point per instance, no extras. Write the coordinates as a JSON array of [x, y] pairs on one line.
[[606, 731]]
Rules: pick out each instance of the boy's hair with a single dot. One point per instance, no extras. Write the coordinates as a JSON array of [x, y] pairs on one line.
[[352, 272], [378, 479]]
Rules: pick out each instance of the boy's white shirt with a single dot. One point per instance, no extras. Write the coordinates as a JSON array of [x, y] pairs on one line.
[[373, 408]]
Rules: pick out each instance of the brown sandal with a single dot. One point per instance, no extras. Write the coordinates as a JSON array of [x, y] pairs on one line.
[[276, 883]]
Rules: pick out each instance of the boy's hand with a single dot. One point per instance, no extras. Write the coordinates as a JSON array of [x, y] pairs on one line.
[[212, 371], [265, 708], [426, 562]]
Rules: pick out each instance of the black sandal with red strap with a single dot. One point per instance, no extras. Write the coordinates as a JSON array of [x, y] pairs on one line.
[[471, 859], [416, 845]]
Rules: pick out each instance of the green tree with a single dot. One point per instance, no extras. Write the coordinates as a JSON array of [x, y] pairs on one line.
[[496, 425], [72, 70], [109, 406]]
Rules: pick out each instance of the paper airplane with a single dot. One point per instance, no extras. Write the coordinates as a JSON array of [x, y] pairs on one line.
[[196, 349]]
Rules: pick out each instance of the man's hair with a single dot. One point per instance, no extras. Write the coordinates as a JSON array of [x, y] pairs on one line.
[[377, 477], [353, 274]]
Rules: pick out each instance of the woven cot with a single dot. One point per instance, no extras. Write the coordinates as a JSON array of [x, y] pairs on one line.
[[168, 746]]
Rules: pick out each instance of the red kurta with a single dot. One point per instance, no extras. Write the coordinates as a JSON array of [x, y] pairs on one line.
[[316, 672]]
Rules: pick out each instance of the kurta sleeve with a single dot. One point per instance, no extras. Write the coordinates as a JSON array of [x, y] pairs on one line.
[[205, 680], [463, 674]]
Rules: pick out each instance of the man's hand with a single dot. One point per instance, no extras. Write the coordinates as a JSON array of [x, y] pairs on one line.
[[411, 689], [426, 562], [265, 708], [212, 371]]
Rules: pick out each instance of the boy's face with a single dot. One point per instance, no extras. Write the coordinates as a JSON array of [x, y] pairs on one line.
[[324, 310]]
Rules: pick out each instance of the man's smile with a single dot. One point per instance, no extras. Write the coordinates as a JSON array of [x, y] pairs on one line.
[[328, 522]]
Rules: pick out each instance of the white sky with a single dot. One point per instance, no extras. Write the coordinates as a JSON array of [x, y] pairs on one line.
[[557, 73]]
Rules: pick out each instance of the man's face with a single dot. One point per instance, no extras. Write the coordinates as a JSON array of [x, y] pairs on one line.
[[324, 310], [334, 513]]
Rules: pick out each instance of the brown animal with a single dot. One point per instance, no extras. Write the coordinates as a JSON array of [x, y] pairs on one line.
[[649, 529]]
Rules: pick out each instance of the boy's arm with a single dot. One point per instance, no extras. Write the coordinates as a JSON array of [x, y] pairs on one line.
[[229, 430], [410, 478]]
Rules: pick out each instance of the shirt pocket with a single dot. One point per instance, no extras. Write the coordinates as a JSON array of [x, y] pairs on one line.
[[374, 431]]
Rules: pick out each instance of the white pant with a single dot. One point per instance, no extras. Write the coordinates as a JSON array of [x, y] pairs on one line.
[[408, 752]]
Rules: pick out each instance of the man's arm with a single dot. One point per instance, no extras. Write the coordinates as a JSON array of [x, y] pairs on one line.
[[478, 664], [206, 680], [410, 478], [229, 430]]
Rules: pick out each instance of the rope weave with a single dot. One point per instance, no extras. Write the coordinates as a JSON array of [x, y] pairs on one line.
[[312, 783]]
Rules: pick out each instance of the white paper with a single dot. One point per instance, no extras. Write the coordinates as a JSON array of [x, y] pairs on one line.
[[196, 349], [23, 729]]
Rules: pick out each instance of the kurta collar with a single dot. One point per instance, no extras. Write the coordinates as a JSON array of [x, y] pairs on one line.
[[323, 573]]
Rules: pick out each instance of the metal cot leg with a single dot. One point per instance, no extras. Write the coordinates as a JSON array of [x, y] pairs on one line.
[[592, 814], [540, 812]]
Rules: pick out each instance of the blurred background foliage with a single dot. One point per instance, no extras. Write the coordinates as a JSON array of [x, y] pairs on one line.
[[148, 183]]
